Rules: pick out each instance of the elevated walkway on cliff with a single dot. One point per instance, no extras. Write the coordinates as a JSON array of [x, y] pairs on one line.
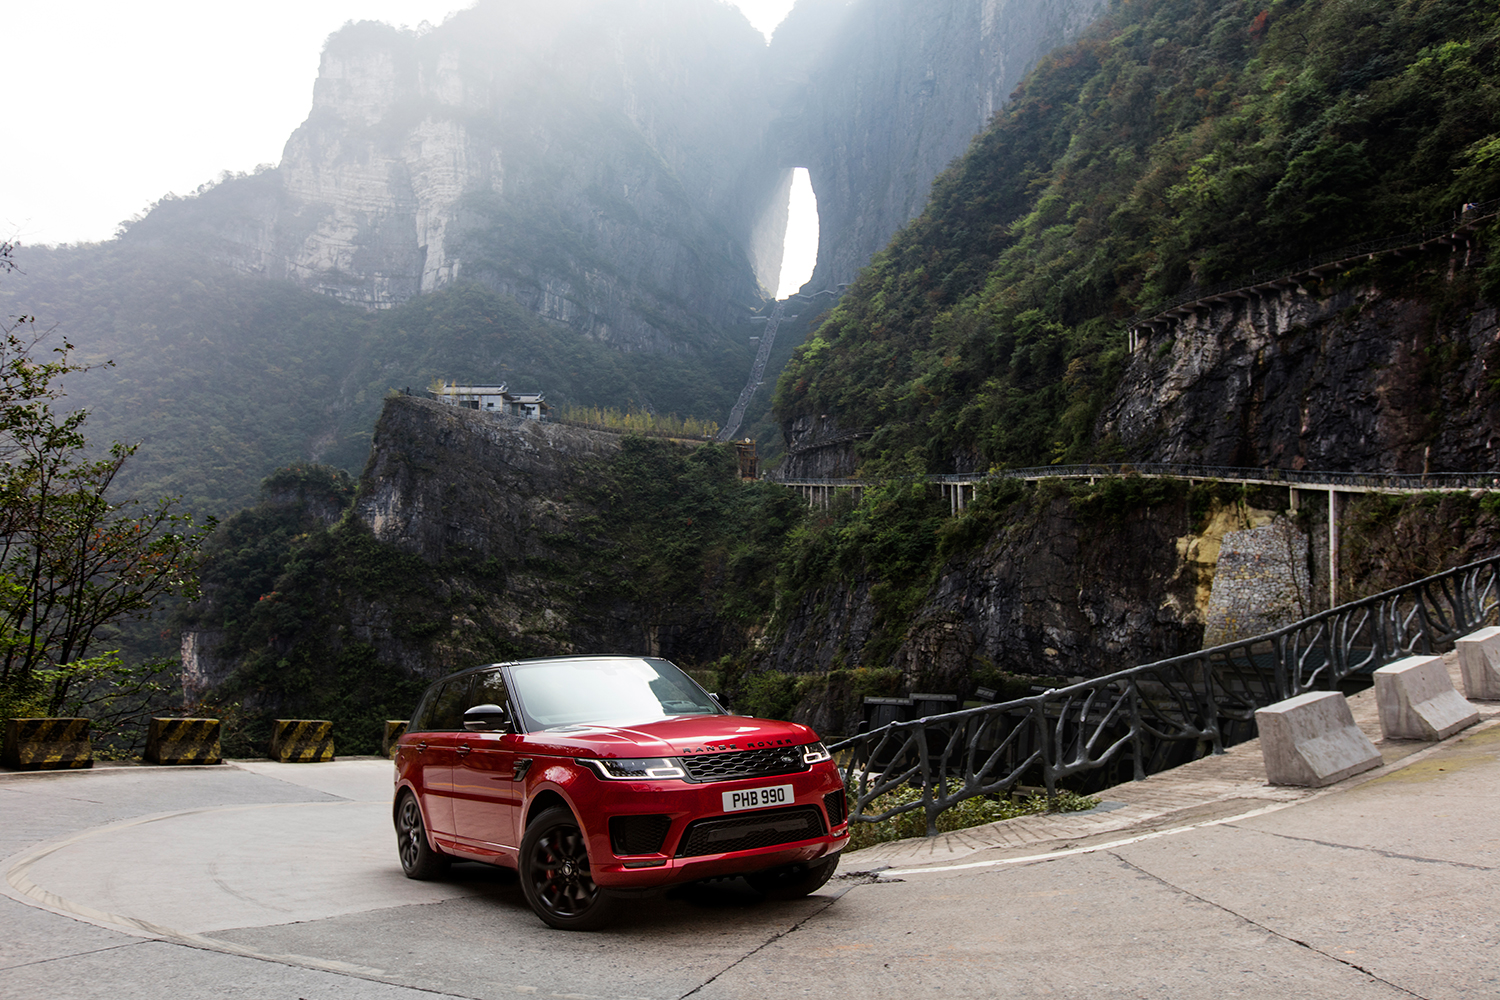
[[1455, 237], [958, 488]]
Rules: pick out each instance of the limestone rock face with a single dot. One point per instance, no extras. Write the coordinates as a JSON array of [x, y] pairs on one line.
[[878, 96], [444, 481], [1352, 380], [1054, 595], [599, 159]]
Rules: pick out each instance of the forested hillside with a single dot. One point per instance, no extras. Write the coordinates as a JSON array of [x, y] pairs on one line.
[[1180, 143], [223, 377]]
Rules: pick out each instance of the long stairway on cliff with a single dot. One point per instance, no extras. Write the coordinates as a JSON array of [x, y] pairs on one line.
[[757, 372]]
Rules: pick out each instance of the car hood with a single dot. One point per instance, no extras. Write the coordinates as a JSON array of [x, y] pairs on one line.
[[677, 736]]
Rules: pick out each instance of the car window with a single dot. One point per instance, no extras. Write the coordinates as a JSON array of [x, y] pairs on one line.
[[489, 689], [449, 703], [614, 690]]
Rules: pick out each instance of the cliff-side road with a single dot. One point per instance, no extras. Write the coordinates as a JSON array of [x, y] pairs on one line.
[[264, 880]]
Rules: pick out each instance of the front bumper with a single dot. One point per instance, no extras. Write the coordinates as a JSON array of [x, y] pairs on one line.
[[810, 826]]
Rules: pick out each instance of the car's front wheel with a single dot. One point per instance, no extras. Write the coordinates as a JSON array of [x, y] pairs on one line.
[[794, 881], [555, 874], [418, 859]]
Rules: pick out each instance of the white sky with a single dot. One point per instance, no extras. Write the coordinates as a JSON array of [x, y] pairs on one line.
[[111, 105]]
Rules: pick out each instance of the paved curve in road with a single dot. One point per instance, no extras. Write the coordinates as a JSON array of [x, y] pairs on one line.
[[266, 880]]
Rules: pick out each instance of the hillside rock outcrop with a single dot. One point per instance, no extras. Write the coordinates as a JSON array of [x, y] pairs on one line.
[[1353, 379], [601, 161]]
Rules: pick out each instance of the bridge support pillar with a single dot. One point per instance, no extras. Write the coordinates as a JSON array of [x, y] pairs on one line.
[[1418, 702], [1311, 740]]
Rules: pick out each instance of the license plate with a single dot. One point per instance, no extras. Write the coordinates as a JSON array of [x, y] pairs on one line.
[[758, 798]]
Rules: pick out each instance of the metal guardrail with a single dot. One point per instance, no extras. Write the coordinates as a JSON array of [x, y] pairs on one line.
[[1404, 482], [1371, 481], [1157, 715]]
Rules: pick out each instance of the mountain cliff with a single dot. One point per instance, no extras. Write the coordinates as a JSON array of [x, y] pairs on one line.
[[599, 161], [877, 97], [1178, 146]]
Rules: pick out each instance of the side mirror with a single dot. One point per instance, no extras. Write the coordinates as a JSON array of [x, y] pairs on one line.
[[487, 719]]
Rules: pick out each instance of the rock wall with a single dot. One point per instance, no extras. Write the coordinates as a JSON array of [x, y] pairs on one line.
[[1352, 379], [599, 159], [1261, 582], [1051, 594], [444, 482]]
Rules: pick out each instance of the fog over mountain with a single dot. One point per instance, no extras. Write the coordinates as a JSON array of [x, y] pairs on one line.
[[618, 168]]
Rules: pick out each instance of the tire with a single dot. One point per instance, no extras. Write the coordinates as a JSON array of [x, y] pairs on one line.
[[555, 874], [419, 860], [795, 881]]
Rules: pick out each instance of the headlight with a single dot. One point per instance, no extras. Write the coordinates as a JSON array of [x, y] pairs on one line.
[[815, 753], [636, 769]]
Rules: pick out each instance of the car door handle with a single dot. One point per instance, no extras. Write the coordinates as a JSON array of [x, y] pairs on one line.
[[421, 746], [463, 749]]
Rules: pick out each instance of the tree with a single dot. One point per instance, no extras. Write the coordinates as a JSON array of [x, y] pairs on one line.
[[72, 560]]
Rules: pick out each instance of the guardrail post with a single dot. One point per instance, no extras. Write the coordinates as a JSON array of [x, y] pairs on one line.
[[1333, 548], [1049, 756], [1137, 745]]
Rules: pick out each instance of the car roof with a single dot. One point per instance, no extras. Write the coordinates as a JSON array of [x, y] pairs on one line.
[[571, 658]]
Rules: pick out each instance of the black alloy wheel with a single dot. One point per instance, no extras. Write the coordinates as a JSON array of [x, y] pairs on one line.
[[418, 859], [555, 874], [794, 881]]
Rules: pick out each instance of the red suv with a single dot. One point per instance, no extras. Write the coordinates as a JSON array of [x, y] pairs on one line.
[[598, 777]]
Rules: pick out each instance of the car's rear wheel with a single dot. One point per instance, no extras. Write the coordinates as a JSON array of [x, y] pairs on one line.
[[795, 881], [418, 858], [555, 874]]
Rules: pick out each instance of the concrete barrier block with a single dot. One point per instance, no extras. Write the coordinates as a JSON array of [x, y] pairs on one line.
[[302, 741], [1479, 662], [1311, 740], [183, 741], [1418, 702], [394, 730], [47, 744]]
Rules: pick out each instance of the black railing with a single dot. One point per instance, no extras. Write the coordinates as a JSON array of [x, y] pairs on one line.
[[1414, 482], [1158, 715]]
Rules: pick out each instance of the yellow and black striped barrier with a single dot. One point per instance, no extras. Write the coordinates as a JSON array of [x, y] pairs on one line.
[[47, 744], [394, 730], [183, 741], [302, 741]]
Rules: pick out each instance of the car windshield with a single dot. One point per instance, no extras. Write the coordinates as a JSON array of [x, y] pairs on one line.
[[606, 691]]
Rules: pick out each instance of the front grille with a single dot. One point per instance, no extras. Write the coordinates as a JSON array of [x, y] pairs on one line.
[[835, 804], [746, 833], [637, 834], [744, 764]]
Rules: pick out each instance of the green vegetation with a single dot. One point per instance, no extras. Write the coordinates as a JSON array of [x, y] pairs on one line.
[[75, 559], [675, 531], [312, 615], [977, 811], [605, 418], [226, 377], [1388, 540], [1182, 142]]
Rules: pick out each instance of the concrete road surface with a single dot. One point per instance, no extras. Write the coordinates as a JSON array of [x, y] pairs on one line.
[[266, 880]]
